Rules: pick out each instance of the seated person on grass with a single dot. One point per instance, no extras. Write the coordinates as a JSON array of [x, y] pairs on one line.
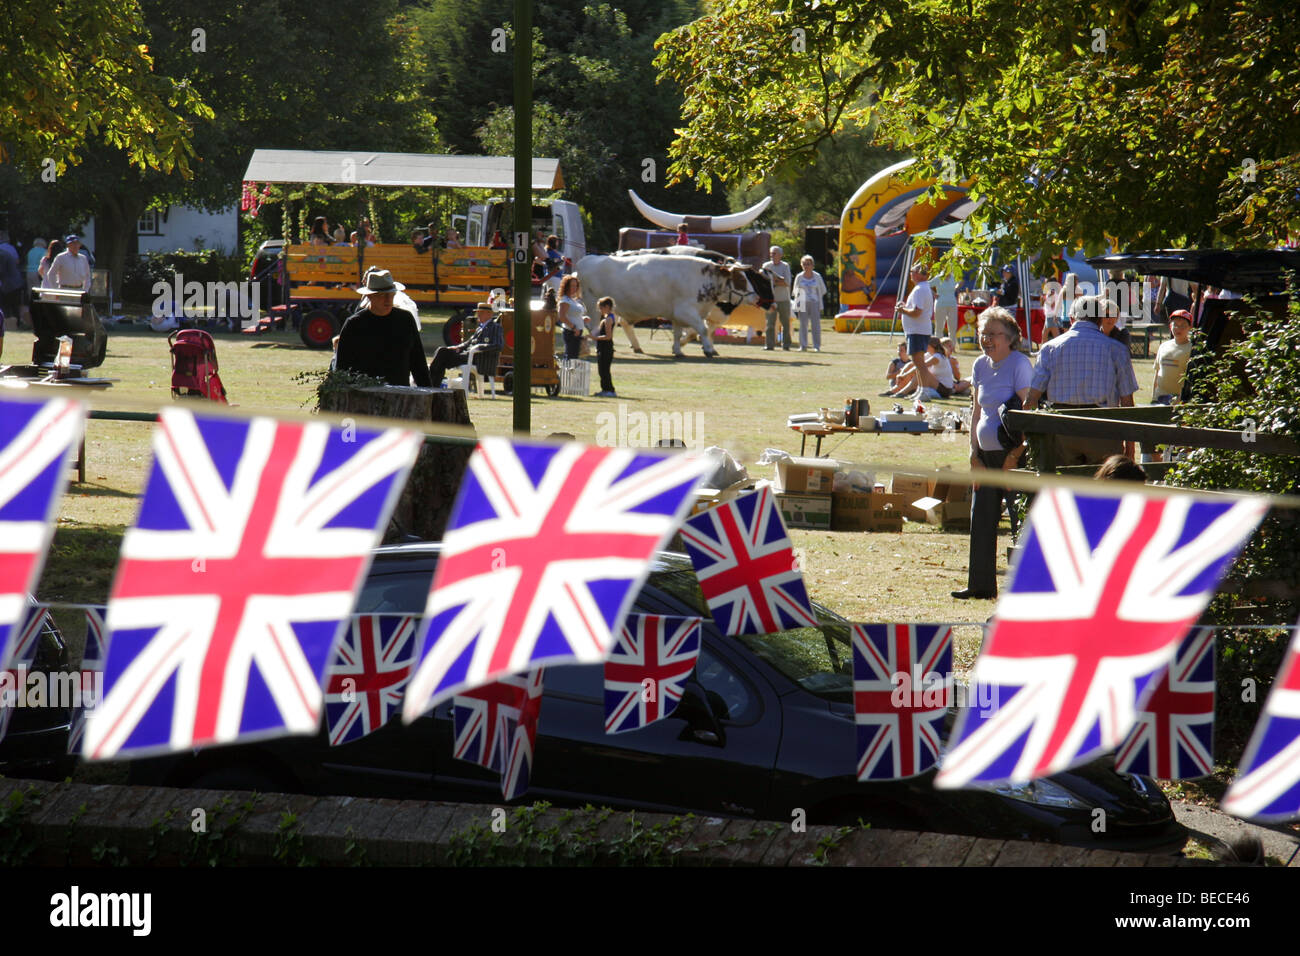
[[940, 367], [960, 386], [897, 365]]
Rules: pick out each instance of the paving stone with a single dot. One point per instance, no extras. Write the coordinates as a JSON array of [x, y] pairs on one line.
[[1132, 859], [754, 837], [707, 831], [871, 847], [941, 849], [396, 844], [983, 853], [785, 845], [1102, 858], [1021, 853], [1070, 856]]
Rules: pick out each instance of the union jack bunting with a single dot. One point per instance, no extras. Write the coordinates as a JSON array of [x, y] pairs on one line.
[[1100, 598], [1174, 734], [647, 669], [92, 666], [36, 445], [495, 726], [1268, 782], [368, 671], [902, 689], [746, 566], [546, 549], [13, 680], [253, 539]]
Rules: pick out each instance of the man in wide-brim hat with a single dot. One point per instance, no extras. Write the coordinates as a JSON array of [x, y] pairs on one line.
[[488, 334], [381, 340]]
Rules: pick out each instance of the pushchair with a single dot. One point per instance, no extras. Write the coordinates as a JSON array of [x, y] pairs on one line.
[[194, 366]]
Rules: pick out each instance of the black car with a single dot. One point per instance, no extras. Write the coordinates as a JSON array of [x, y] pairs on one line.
[[35, 742], [764, 730]]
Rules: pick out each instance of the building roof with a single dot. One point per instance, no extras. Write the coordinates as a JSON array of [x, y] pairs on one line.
[[367, 168]]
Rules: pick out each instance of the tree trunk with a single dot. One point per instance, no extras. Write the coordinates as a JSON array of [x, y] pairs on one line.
[[425, 505], [115, 221]]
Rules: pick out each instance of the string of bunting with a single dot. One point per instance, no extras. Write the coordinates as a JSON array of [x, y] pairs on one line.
[[231, 612]]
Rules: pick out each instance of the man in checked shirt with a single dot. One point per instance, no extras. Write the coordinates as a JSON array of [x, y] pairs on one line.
[[1085, 368]]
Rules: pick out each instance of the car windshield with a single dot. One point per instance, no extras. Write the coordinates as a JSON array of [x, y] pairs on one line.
[[818, 659]]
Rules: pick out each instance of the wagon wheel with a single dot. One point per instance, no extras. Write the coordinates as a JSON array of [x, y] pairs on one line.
[[318, 329], [553, 390], [508, 383]]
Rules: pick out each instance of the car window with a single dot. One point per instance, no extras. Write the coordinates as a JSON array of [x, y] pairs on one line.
[[405, 592], [729, 695], [818, 659]]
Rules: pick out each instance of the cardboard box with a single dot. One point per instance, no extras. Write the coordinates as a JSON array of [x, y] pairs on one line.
[[805, 511], [954, 515], [951, 489], [910, 487], [805, 476], [869, 511]]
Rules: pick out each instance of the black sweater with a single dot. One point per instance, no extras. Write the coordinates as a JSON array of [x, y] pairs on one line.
[[385, 346]]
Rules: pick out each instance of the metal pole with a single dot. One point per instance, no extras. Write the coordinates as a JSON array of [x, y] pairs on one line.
[[523, 286]]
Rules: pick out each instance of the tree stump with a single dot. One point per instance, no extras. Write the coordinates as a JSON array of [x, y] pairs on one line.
[[425, 505]]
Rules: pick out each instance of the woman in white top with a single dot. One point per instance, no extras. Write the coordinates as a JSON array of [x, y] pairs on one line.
[[1001, 372], [809, 291], [572, 316]]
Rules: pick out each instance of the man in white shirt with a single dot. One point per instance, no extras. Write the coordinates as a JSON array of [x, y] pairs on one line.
[[778, 273], [70, 269], [918, 312]]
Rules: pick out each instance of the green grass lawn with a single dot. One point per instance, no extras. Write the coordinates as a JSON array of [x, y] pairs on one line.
[[738, 401]]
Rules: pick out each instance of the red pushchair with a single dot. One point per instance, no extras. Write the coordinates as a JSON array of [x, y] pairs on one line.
[[194, 366]]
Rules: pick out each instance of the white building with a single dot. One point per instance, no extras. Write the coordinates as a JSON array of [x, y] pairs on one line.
[[181, 227]]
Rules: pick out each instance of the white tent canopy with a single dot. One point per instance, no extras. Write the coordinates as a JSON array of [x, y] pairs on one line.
[[366, 168]]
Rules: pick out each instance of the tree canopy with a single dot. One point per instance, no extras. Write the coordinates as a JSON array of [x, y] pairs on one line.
[[1150, 123], [82, 73]]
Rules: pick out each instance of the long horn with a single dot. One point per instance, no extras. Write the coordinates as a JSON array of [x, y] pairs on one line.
[[728, 223]]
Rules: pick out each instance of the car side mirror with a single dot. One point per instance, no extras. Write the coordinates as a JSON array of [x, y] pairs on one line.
[[702, 724]]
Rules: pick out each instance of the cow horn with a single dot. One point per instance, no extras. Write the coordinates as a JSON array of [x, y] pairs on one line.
[[727, 223]]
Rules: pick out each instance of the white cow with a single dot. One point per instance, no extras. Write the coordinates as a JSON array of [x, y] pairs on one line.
[[678, 286]]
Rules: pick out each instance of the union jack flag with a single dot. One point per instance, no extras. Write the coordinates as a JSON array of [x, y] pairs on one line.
[[92, 666], [36, 443], [647, 669], [902, 689], [545, 552], [368, 671], [1174, 735], [1268, 783], [496, 727], [13, 680], [746, 566], [253, 539], [1101, 596]]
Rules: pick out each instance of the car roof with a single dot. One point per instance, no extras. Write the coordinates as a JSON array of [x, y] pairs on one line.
[[415, 550]]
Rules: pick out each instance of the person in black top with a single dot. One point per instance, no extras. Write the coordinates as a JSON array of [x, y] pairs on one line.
[[381, 340], [488, 334], [1007, 294]]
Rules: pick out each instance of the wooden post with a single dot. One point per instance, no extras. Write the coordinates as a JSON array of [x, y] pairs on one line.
[[425, 505]]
